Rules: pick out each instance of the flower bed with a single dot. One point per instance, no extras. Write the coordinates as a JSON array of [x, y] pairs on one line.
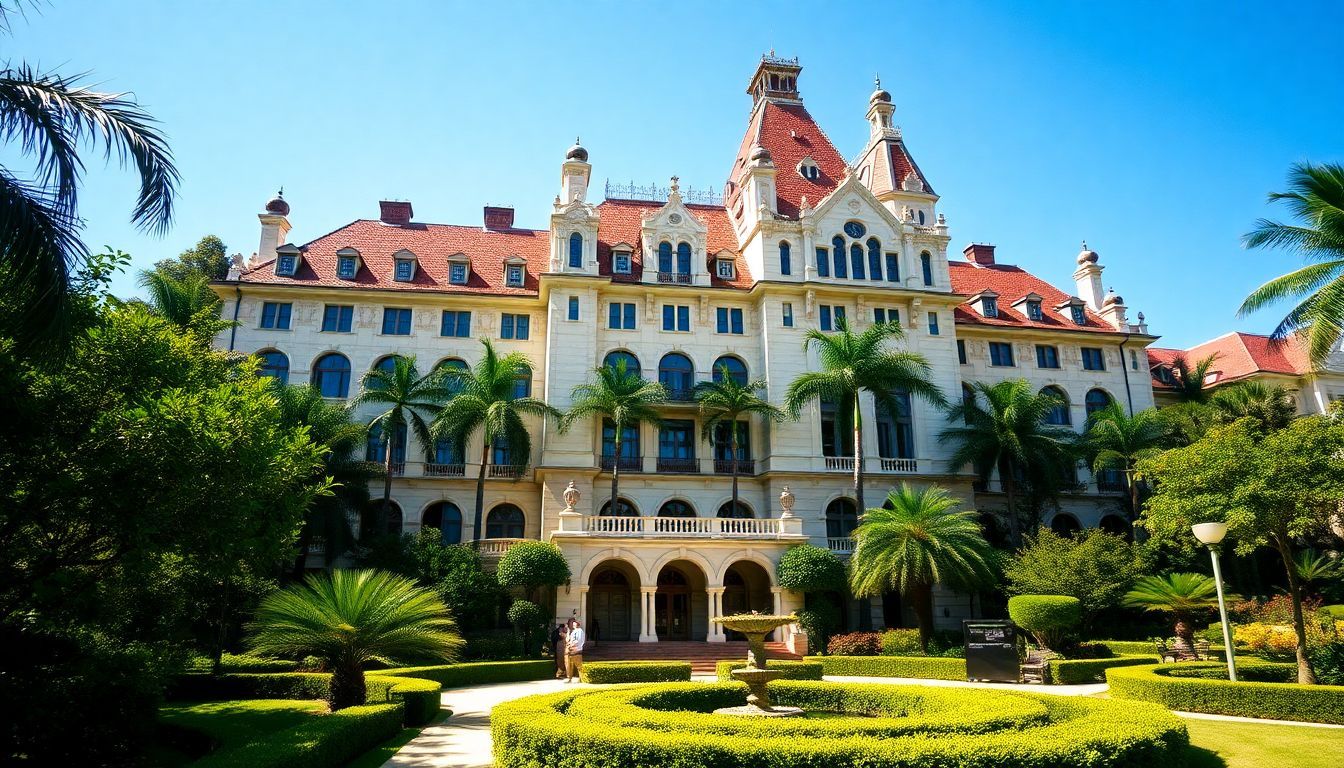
[[791, 670], [635, 671], [1197, 687]]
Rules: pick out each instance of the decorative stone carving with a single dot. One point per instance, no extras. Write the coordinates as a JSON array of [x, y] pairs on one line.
[[367, 316], [571, 496], [786, 499]]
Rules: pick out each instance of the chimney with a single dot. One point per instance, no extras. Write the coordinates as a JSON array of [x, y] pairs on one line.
[[395, 212], [979, 253], [498, 218]]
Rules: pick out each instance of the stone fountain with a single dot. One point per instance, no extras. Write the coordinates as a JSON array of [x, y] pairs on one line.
[[756, 626]]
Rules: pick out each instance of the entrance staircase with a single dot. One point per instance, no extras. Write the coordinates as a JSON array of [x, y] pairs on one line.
[[702, 656]]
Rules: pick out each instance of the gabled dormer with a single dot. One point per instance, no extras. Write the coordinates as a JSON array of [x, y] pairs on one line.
[[622, 258], [459, 269], [404, 265], [1074, 310], [724, 265], [808, 169], [985, 303], [515, 271], [1030, 306], [673, 239], [348, 262], [288, 259]]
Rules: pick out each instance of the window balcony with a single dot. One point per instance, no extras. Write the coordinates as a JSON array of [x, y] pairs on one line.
[[841, 545], [679, 466], [682, 395], [627, 463], [495, 548], [677, 278], [839, 463], [901, 466], [725, 467], [679, 527], [1110, 481], [506, 471], [445, 470]]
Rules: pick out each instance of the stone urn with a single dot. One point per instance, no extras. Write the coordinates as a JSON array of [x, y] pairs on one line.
[[756, 626]]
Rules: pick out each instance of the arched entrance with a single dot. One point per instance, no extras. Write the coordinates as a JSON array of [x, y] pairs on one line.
[[680, 603], [746, 588], [613, 602]]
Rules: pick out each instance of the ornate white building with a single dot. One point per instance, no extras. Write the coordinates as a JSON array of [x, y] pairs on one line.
[[678, 286]]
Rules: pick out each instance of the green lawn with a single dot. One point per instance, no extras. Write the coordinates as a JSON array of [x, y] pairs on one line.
[[1246, 745], [226, 723]]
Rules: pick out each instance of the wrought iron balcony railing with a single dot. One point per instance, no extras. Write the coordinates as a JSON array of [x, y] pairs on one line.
[[627, 463], [725, 467], [678, 465]]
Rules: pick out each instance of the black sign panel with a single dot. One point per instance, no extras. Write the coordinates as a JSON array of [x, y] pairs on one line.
[[991, 650]]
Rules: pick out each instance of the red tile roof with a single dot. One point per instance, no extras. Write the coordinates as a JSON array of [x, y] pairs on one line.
[[1239, 355], [790, 134], [432, 244], [619, 221], [1011, 284]]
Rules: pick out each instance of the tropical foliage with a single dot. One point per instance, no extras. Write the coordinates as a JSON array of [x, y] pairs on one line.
[[1189, 378], [186, 301], [1270, 406], [724, 402], [622, 397], [1116, 441], [1183, 595]]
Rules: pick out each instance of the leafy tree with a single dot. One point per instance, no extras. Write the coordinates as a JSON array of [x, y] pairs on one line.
[[1183, 595], [531, 565], [350, 618], [186, 301], [623, 397], [723, 403], [526, 618], [1190, 378], [1272, 489], [1049, 618], [854, 363], [923, 539], [1117, 441], [815, 572], [485, 398], [1093, 566], [455, 572], [1009, 433], [208, 258], [1315, 197], [1270, 406]]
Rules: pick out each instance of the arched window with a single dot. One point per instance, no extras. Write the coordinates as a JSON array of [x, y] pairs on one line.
[[874, 259], [677, 374], [1059, 415], [451, 364], [895, 431], [676, 508], [1096, 400], [785, 258], [926, 265], [1115, 525], [387, 363], [331, 375], [967, 400], [445, 516], [613, 359], [505, 522], [522, 383], [743, 511], [665, 257], [623, 509], [856, 261], [375, 449], [737, 370], [838, 251], [841, 519], [1065, 525], [379, 523], [683, 258], [275, 365], [576, 251]]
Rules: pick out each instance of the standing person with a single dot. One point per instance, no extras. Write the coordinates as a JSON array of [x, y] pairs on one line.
[[574, 650], [558, 637]]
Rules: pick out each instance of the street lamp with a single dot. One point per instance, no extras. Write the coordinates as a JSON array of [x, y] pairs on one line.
[[1211, 535]]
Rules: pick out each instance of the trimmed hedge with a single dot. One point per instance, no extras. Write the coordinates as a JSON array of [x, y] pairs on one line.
[[892, 726], [923, 667], [1147, 648], [1079, 671], [1193, 687], [419, 698], [603, 672], [792, 670], [478, 673], [322, 742], [230, 663]]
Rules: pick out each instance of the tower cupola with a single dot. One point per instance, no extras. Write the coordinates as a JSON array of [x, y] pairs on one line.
[[575, 174], [776, 79]]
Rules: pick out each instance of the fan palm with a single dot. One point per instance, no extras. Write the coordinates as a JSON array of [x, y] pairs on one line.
[[723, 402], [1315, 197], [853, 363], [1313, 568], [1181, 594], [1189, 379], [1009, 433], [1117, 441], [1270, 405], [923, 539], [623, 397], [349, 618], [185, 300], [487, 398], [408, 398]]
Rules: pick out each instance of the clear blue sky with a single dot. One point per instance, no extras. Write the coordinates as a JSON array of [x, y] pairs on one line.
[[1152, 130]]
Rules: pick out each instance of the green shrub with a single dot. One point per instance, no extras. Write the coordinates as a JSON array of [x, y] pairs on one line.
[[809, 568], [231, 663], [321, 742], [418, 697], [478, 673], [818, 623], [855, 644], [495, 645], [635, 671], [527, 621], [530, 565], [792, 670], [1131, 647], [1048, 618], [921, 667], [900, 642], [1195, 688], [1079, 671], [1335, 612]]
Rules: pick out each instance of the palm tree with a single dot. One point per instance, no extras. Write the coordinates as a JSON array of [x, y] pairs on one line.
[[1315, 197], [186, 300], [1117, 441], [1313, 568], [853, 363], [487, 398], [47, 117], [1189, 379], [1181, 594], [623, 397], [1271, 406], [1010, 434], [723, 402], [923, 539], [348, 618], [408, 397]]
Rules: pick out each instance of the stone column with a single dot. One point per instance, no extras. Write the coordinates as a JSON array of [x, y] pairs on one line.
[[715, 634], [778, 594], [583, 605], [649, 634]]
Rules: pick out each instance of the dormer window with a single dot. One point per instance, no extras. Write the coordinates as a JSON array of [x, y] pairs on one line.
[[620, 258], [1034, 310], [807, 168], [989, 306], [1079, 316], [403, 270], [515, 276], [459, 269], [346, 267], [622, 263], [287, 261], [724, 265], [1164, 375]]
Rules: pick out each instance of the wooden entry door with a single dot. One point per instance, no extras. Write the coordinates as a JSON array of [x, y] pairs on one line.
[[672, 606], [609, 606]]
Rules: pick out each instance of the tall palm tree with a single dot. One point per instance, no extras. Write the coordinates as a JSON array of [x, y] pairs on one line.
[[1315, 197], [408, 398], [184, 300], [1270, 405], [1009, 433], [1189, 379], [349, 618], [923, 539], [853, 363], [1117, 441], [45, 117], [485, 398], [1184, 595], [723, 402], [626, 399]]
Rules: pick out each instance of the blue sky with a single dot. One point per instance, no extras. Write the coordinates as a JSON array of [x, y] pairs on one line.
[[1153, 130]]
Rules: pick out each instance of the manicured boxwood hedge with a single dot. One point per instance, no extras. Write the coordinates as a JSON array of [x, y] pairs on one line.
[[1146, 648], [792, 670], [1195, 687], [418, 697], [894, 726], [1079, 671], [478, 673], [922, 667], [230, 663], [635, 671], [321, 742]]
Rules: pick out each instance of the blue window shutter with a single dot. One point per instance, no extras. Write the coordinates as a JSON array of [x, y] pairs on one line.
[[520, 326], [573, 307], [664, 256], [506, 327], [856, 261], [683, 258], [669, 318], [736, 315], [613, 315], [838, 246], [576, 250], [825, 317], [893, 268], [347, 317], [721, 315], [464, 324], [874, 259]]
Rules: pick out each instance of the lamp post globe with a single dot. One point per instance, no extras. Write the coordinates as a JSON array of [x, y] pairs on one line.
[[1211, 535]]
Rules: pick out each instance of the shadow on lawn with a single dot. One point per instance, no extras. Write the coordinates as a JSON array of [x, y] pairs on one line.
[[1199, 757]]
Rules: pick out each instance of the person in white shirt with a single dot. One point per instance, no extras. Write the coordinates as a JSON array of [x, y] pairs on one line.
[[574, 650]]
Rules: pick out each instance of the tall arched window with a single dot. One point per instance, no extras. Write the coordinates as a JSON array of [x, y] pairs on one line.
[[841, 519], [453, 385], [874, 259], [386, 363], [505, 522], [379, 522], [1059, 415], [331, 375], [576, 251], [683, 258], [785, 258], [522, 383], [926, 265], [623, 509], [275, 365], [445, 516], [1096, 400], [856, 261], [737, 370], [1065, 525], [743, 511], [677, 374], [665, 257], [676, 508], [375, 449], [838, 251], [613, 359]]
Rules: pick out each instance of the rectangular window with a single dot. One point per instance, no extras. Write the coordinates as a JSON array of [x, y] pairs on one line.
[[457, 274], [676, 440], [1000, 354], [723, 442], [676, 318], [729, 320], [933, 323], [893, 268], [286, 265], [926, 264], [990, 306], [823, 263], [337, 318], [620, 316], [825, 311], [1079, 316], [724, 268], [841, 268], [831, 316], [1093, 360], [515, 277], [622, 263], [513, 326], [1046, 356], [346, 268], [276, 315], [884, 315], [456, 323], [1034, 310], [573, 308], [396, 322], [961, 351], [788, 315], [1133, 360], [405, 267]]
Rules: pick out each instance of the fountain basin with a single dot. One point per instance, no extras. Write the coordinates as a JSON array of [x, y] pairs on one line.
[[756, 626]]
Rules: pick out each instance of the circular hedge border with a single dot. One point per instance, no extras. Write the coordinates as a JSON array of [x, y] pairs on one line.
[[1263, 690], [881, 726]]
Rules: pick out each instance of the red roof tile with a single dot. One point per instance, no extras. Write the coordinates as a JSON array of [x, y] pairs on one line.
[[790, 134], [1011, 284], [620, 221], [1239, 355]]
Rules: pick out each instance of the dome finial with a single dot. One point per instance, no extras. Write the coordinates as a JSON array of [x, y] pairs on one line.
[[577, 152], [278, 206]]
